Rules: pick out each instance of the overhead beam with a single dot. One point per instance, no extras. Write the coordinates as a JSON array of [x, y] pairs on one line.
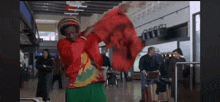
[[64, 5], [52, 2], [34, 8], [105, 2], [62, 11]]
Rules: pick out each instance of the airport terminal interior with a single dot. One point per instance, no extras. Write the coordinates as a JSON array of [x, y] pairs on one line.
[[164, 25]]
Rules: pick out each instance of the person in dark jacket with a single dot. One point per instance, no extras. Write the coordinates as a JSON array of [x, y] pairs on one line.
[[106, 65], [58, 72], [45, 65], [171, 74], [148, 63]]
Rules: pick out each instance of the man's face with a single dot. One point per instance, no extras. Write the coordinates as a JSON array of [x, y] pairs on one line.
[[45, 54], [153, 51], [71, 33], [176, 54]]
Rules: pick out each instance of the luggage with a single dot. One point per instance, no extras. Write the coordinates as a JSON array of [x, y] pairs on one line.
[[149, 93]]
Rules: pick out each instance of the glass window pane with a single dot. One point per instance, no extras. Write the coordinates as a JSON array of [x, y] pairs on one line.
[[48, 36]]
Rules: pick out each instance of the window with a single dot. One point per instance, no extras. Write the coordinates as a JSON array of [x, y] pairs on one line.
[[47, 36]]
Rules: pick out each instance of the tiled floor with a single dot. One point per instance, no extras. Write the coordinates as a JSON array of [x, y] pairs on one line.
[[125, 92]]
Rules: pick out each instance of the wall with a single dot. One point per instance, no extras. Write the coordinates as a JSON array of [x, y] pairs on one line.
[[185, 47], [164, 47], [50, 20], [145, 19], [46, 27]]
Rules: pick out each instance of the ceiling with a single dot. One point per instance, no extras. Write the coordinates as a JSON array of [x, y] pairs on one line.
[[59, 7]]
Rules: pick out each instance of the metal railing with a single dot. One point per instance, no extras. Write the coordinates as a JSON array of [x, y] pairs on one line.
[[29, 99], [176, 76]]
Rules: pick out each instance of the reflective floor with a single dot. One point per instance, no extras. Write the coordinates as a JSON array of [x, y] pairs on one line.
[[125, 92]]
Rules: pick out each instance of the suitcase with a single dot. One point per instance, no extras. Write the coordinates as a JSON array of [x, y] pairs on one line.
[[149, 91], [145, 95], [149, 94]]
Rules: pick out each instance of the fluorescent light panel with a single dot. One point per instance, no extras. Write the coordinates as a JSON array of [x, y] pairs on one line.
[[76, 10], [79, 6], [46, 21], [71, 13]]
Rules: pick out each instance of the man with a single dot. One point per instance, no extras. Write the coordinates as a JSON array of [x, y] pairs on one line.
[[147, 63], [106, 64], [81, 57], [58, 72]]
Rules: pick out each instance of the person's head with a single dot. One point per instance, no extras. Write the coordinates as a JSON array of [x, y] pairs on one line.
[[69, 27], [177, 52], [151, 51], [104, 51], [46, 54]]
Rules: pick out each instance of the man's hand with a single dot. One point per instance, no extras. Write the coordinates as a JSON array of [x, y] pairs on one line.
[[44, 66], [170, 79], [144, 72], [159, 72]]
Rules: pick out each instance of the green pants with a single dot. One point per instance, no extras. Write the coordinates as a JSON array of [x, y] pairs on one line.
[[91, 93]]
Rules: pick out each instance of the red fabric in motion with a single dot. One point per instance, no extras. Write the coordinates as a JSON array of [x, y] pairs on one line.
[[117, 31]]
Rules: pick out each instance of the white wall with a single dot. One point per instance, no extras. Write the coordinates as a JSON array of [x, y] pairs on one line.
[[185, 47], [50, 20], [168, 11], [164, 47]]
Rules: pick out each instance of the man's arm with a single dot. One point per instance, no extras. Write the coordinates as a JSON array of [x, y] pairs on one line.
[[51, 65], [141, 63], [38, 65]]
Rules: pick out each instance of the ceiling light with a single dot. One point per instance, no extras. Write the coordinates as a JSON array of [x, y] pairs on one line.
[[46, 21], [76, 10], [71, 13]]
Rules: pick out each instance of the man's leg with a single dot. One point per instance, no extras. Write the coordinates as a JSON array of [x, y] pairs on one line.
[[54, 79], [121, 76], [60, 82], [126, 76]]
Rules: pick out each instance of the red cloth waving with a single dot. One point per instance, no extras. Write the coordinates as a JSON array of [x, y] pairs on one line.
[[117, 31]]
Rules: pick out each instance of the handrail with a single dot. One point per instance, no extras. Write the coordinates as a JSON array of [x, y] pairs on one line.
[[30, 99], [177, 73]]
